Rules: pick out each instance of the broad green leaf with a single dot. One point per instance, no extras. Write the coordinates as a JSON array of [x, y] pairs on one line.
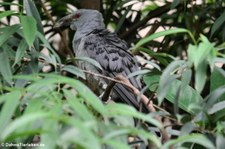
[[5, 68], [29, 29], [20, 52], [217, 80], [74, 70], [89, 60], [7, 32], [191, 138], [189, 99], [218, 23], [31, 10], [6, 13], [217, 107], [167, 77], [200, 76], [11, 101]]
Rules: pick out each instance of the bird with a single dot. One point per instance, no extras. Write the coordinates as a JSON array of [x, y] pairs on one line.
[[93, 40]]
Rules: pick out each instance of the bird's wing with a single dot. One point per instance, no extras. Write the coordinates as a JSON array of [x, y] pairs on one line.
[[111, 53]]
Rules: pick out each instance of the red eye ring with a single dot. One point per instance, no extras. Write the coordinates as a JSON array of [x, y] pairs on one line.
[[77, 15]]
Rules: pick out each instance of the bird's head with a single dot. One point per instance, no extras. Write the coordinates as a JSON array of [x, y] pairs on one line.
[[81, 18]]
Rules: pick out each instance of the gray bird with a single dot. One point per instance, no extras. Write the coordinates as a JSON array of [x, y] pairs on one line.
[[93, 40]]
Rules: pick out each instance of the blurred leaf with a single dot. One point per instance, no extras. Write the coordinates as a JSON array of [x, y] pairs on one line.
[[191, 138], [137, 73], [29, 29], [218, 23], [74, 70], [31, 10], [89, 60], [122, 109], [5, 68], [6, 13], [20, 52], [19, 122], [11, 102], [7, 32]]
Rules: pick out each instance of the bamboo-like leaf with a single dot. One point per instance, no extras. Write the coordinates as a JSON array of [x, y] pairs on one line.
[[218, 23], [74, 70], [29, 29]]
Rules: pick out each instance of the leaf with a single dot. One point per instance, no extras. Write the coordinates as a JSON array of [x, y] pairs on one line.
[[31, 10], [217, 80], [218, 23], [48, 46], [166, 79], [74, 70], [122, 109], [11, 101], [19, 122], [137, 73], [200, 76], [159, 34], [29, 29], [20, 51], [7, 32], [6, 13], [89, 60], [189, 99], [191, 138], [5, 68], [216, 107]]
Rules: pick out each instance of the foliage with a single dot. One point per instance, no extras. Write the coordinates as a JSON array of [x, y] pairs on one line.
[[183, 43]]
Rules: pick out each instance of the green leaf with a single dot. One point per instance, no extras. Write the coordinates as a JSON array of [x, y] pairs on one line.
[[7, 32], [31, 10], [89, 60], [191, 138], [137, 73], [122, 109], [218, 23], [217, 80], [20, 52], [19, 122], [11, 101], [162, 33], [74, 70], [48, 46], [216, 107], [5, 68], [200, 76], [189, 99], [29, 29], [6, 13]]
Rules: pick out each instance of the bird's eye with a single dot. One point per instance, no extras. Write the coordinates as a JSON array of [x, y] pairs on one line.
[[77, 15]]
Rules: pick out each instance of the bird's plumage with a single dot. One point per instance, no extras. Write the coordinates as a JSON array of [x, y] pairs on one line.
[[93, 40]]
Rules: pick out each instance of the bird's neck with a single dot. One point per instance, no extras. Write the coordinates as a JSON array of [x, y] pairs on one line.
[[87, 27]]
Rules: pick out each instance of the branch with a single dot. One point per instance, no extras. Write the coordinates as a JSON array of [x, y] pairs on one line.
[[151, 14]]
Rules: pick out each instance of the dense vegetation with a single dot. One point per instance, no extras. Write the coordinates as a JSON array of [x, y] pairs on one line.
[[180, 45]]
